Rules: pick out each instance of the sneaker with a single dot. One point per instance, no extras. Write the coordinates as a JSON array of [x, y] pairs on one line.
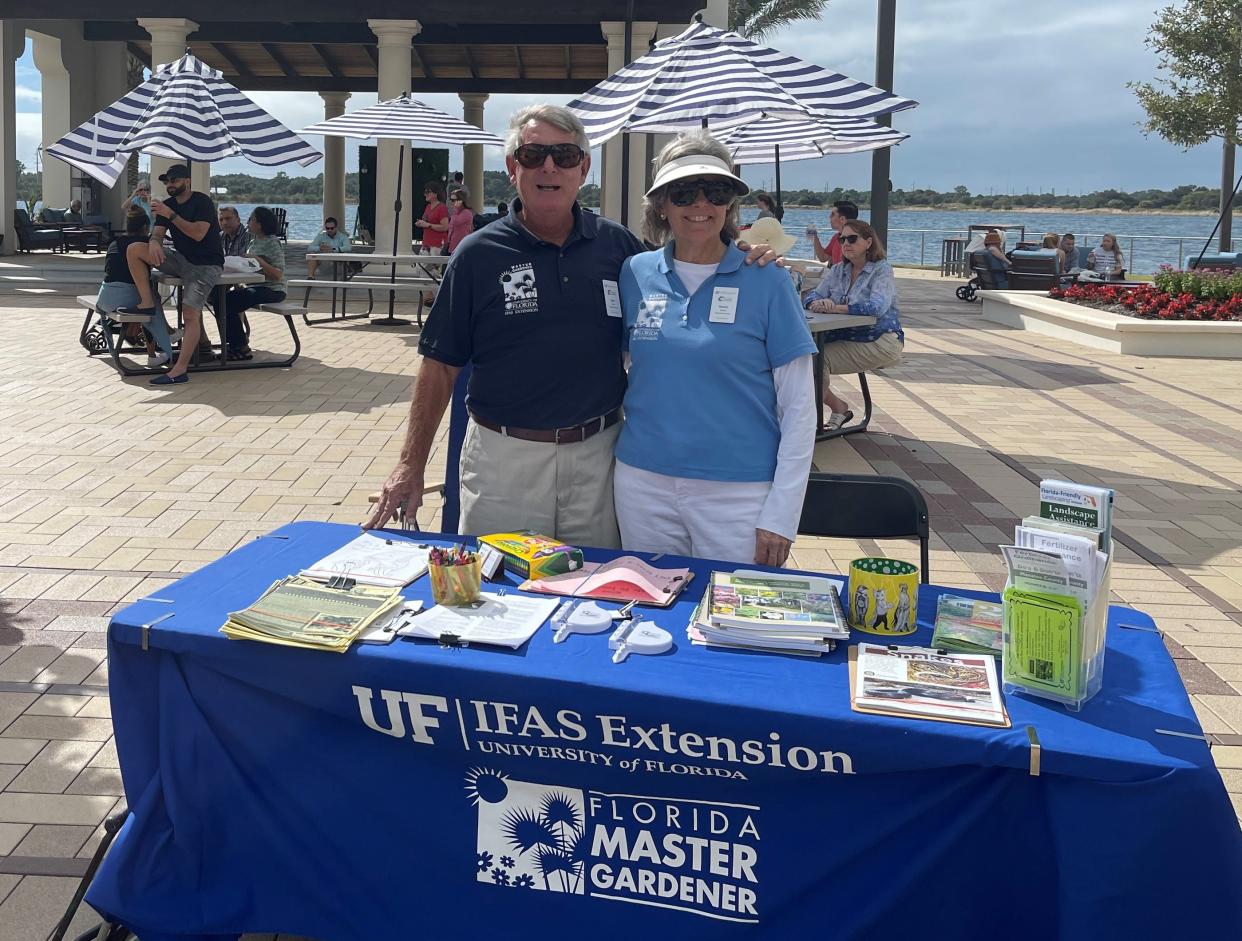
[[158, 359], [176, 335]]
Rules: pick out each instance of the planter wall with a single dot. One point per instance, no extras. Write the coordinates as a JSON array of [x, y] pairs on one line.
[[1116, 333]]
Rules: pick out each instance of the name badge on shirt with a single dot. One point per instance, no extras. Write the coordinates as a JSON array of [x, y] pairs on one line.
[[724, 305], [612, 299]]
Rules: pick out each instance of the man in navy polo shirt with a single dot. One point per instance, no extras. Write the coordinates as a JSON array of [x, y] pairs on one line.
[[532, 301]]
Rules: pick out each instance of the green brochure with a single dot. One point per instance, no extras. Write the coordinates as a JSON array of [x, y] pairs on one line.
[[1043, 643]]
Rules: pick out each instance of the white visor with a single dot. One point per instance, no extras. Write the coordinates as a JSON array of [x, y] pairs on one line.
[[696, 165]]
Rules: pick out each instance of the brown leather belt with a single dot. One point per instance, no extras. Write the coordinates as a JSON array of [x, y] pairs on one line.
[[554, 435]]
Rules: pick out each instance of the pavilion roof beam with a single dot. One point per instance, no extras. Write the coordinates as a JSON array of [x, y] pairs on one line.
[[326, 58], [236, 64], [359, 83], [569, 61], [355, 33], [281, 62], [372, 54], [136, 51], [517, 56], [422, 63], [474, 71]]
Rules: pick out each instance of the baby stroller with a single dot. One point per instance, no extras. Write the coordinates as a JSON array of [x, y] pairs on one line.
[[986, 274]]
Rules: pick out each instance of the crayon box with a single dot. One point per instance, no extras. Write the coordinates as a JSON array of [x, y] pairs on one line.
[[530, 555]]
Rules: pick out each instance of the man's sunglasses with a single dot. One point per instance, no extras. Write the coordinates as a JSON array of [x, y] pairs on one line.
[[718, 192], [848, 239], [565, 156]]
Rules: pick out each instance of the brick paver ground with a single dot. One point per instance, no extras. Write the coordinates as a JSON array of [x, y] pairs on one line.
[[110, 488]]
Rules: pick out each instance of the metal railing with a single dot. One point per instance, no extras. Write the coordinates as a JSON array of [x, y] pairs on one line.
[[1144, 254]]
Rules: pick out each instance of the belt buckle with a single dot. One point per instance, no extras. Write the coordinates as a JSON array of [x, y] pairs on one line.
[[556, 436]]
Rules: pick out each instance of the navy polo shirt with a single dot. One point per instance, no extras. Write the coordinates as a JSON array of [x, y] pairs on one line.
[[532, 318]]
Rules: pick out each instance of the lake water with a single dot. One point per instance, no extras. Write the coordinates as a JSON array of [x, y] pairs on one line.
[[1148, 241]]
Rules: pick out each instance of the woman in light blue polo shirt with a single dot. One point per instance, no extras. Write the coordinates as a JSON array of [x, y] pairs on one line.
[[720, 409]]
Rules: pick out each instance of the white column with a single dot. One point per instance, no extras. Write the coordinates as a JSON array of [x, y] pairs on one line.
[[55, 106], [610, 187], [472, 154], [168, 41], [334, 160], [12, 42], [111, 81], [395, 58]]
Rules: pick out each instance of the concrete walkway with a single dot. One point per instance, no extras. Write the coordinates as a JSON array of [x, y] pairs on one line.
[[110, 488]]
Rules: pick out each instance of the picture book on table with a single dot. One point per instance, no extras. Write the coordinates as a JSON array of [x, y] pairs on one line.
[[772, 601], [623, 579]]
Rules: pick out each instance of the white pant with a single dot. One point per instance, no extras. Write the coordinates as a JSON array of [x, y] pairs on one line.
[[708, 519], [558, 490]]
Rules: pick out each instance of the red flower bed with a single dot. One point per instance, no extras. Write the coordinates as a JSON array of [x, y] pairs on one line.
[[1149, 302]]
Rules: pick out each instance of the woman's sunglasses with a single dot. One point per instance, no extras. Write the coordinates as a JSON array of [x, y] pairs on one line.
[[848, 239], [718, 192], [565, 156]]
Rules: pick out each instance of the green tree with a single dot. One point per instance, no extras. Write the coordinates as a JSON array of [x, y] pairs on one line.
[[1199, 96], [757, 18]]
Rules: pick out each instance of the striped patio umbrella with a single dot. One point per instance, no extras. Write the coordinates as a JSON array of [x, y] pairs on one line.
[[770, 140], [706, 77], [405, 119], [186, 111]]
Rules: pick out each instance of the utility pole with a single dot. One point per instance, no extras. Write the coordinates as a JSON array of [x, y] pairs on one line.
[[885, 33]]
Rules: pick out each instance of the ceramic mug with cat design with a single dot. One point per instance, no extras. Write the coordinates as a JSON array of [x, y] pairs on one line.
[[884, 596]]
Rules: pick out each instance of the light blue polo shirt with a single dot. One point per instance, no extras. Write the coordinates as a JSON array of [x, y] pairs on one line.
[[701, 401]]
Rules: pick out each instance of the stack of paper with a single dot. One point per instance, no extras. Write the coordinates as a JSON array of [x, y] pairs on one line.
[[373, 560], [922, 683], [783, 613], [502, 620], [300, 612]]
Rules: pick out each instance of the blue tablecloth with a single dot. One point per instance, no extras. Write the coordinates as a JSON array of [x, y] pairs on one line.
[[420, 791]]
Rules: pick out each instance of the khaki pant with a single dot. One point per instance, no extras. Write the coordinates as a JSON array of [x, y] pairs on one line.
[[558, 490], [842, 357]]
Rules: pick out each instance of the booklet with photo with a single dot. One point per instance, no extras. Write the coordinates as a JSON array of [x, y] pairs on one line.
[[922, 683], [777, 602], [624, 579]]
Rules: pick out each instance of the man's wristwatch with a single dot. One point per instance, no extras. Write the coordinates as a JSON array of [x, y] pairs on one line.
[[174, 213]]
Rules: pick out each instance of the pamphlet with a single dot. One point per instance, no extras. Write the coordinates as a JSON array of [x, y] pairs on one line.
[[502, 620], [968, 625], [922, 683], [373, 560], [624, 579], [1078, 505], [777, 603], [300, 612], [1043, 642]]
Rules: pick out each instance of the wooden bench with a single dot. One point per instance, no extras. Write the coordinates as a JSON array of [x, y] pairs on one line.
[[370, 285]]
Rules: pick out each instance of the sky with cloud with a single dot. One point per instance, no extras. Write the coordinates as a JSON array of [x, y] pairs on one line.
[[1014, 96]]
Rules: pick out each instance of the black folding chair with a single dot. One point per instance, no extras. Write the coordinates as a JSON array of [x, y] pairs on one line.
[[854, 506], [104, 931]]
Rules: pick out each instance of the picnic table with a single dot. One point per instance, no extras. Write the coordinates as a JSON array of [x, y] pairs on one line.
[[227, 280], [428, 271], [819, 325]]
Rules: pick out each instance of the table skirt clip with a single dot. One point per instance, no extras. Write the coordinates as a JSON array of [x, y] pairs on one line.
[[1035, 749], [1150, 628], [146, 629], [1199, 736]]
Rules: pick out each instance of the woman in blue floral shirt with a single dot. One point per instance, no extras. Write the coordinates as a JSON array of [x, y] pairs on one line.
[[862, 284]]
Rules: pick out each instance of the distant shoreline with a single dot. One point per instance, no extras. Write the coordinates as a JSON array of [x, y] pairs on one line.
[[1049, 210]]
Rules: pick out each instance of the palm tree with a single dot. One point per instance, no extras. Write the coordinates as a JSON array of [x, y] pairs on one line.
[[755, 19]]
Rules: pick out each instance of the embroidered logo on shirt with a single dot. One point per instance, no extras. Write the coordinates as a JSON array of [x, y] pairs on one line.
[[521, 295], [650, 317]]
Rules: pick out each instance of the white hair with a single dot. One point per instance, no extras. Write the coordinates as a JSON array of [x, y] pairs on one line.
[[557, 116]]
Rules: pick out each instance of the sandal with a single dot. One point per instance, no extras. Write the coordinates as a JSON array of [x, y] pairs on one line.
[[238, 355], [838, 419]]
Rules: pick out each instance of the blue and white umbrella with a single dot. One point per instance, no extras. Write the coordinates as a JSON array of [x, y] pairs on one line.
[[770, 140], [404, 118], [185, 111], [708, 77]]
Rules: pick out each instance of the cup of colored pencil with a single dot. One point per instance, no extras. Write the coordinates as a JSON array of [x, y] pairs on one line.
[[455, 576]]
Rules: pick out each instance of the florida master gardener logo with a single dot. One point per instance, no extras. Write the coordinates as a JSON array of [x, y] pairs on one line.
[[695, 856], [521, 296], [650, 317]]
